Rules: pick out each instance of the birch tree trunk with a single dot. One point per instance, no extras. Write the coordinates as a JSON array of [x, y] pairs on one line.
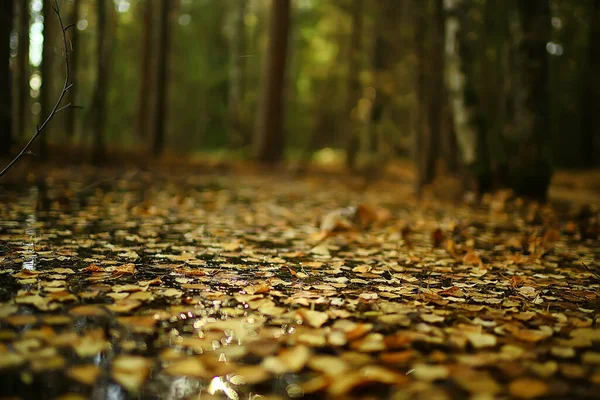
[[24, 71], [46, 90], [456, 81], [467, 115]]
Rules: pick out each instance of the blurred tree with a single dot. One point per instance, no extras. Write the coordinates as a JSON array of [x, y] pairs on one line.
[[353, 90], [145, 77], [23, 68], [590, 125], [460, 58], [437, 90], [74, 66], [424, 152], [391, 79], [531, 171], [236, 73], [495, 73], [269, 135], [431, 93], [6, 24], [106, 25], [46, 70], [162, 76]]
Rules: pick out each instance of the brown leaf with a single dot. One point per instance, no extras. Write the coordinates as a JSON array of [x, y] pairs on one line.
[[292, 359], [316, 319], [125, 269], [528, 388], [189, 366], [437, 238], [87, 374], [130, 371]]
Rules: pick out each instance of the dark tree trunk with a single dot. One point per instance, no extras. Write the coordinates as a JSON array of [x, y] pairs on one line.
[[73, 65], [495, 76], [422, 151], [381, 56], [430, 91], [354, 87], [105, 34], [162, 78], [386, 56], [6, 23], [437, 91], [236, 46], [46, 69], [269, 136], [531, 171], [144, 97], [24, 72], [590, 136]]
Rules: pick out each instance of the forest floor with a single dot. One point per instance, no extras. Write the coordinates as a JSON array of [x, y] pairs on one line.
[[177, 285]]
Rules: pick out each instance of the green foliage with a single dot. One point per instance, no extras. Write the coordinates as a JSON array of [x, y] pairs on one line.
[[317, 69]]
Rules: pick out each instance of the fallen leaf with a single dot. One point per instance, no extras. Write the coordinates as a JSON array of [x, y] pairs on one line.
[[528, 388], [292, 359], [87, 374], [316, 319], [130, 371]]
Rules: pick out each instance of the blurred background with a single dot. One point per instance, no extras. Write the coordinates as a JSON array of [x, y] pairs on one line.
[[506, 90]]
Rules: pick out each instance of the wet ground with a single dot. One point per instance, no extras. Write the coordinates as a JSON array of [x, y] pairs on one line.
[[132, 284]]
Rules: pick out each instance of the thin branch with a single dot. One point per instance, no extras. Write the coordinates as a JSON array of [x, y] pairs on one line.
[[64, 108], [591, 270], [57, 107]]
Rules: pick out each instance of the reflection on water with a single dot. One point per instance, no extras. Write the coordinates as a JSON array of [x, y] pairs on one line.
[[220, 384], [29, 255], [182, 387]]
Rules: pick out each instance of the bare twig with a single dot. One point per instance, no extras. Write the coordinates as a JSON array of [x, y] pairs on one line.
[[591, 270], [57, 107]]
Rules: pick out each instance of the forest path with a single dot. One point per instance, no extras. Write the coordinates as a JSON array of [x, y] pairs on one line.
[[163, 285]]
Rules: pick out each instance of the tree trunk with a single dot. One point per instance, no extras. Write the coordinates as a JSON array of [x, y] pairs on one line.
[[162, 78], [46, 68], [495, 75], [455, 80], [386, 56], [353, 91], [591, 118], [23, 107], [438, 90], [530, 169], [463, 98], [105, 33], [6, 24], [144, 97], [269, 138], [423, 140], [236, 46], [73, 65]]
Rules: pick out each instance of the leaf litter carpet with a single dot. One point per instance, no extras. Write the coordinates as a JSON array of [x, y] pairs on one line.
[[170, 286]]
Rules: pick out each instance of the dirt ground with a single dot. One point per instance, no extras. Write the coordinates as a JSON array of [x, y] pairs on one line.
[[131, 283]]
